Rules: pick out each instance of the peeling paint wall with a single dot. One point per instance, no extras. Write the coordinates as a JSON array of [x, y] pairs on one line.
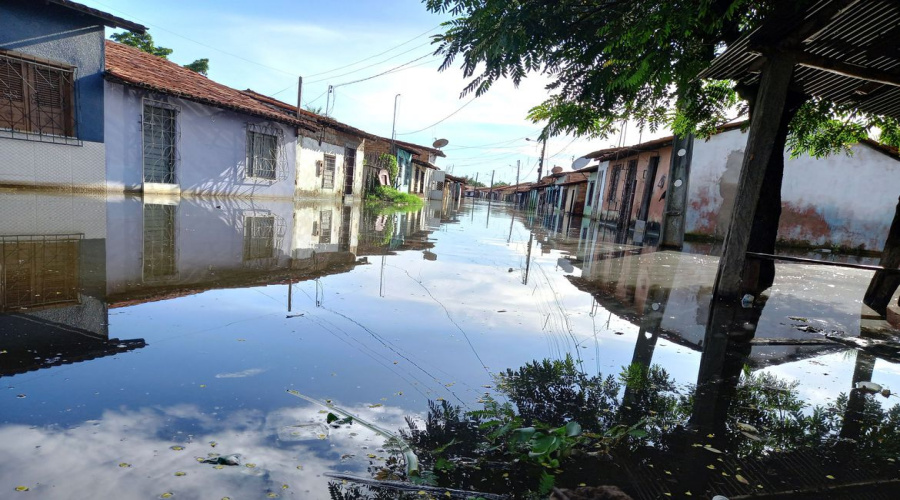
[[609, 209], [310, 161], [840, 200]]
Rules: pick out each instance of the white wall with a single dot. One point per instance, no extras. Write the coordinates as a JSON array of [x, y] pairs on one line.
[[33, 163], [309, 178], [838, 200], [211, 147]]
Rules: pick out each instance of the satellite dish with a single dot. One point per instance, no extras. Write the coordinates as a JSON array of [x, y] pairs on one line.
[[438, 144], [580, 163]]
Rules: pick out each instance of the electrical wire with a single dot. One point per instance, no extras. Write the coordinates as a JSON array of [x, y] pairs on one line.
[[441, 120], [371, 65], [376, 55]]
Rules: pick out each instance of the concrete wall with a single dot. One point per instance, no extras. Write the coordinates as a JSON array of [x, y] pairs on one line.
[[835, 201], [211, 148], [309, 176], [53, 32]]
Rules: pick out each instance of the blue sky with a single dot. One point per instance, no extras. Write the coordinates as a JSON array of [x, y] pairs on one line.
[[266, 44]]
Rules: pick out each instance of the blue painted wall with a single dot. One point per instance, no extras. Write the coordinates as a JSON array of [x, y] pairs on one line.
[[61, 34]]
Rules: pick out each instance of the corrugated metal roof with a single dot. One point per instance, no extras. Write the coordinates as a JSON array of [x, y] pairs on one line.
[[862, 34]]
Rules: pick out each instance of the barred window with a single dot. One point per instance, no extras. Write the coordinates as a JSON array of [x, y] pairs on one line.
[[328, 172], [325, 226], [160, 137], [259, 237], [263, 151], [36, 97]]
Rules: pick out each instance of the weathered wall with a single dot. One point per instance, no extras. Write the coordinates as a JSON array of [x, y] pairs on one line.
[[32, 163], [309, 176], [840, 200], [609, 211], [211, 148]]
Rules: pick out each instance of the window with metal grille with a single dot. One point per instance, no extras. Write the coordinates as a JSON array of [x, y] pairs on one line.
[[325, 226], [328, 172], [160, 137], [262, 152], [36, 97], [259, 237]]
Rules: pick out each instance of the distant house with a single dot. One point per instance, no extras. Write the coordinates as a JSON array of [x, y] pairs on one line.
[[630, 184], [172, 130], [51, 93]]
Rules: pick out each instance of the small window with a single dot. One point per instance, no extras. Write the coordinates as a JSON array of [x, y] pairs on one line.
[[36, 97], [328, 172], [259, 237], [325, 226], [264, 155]]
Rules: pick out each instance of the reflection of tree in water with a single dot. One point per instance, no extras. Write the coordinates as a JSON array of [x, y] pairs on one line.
[[641, 421]]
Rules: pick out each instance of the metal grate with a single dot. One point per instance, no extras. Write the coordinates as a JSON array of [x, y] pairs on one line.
[[38, 271], [160, 137], [159, 242], [265, 156], [328, 172], [36, 100], [259, 237], [325, 226]]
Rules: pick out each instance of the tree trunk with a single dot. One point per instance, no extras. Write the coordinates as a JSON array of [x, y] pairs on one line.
[[760, 274]]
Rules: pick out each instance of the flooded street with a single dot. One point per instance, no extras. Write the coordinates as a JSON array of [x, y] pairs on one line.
[[141, 337]]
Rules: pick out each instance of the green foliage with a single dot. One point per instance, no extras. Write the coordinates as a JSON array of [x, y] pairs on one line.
[[389, 162], [314, 109], [500, 184], [470, 181], [199, 66], [387, 194], [609, 61], [142, 41]]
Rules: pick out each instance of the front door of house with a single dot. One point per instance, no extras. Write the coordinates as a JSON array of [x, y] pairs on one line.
[[349, 168]]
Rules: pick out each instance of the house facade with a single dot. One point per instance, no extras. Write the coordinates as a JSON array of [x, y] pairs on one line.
[[52, 126], [171, 130]]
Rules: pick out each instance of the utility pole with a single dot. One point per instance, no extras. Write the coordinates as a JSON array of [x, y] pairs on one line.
[[394, 124], [328, 100], [475, 186], [518, 169], [491, 192], [299, 95], [541, 164]]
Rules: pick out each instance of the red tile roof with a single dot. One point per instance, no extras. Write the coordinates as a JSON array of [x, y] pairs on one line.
[[134, 67], [291, 110]]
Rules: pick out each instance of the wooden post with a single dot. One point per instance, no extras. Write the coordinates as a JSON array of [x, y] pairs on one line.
[[770, 106], [883, 285]]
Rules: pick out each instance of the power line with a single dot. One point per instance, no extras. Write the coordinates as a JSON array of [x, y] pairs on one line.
[[441, 120], [369, 66], [377, 55], [392, 70]]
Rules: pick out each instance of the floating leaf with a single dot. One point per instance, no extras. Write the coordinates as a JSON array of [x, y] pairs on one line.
[[202, 386], [299, 467], [180, 473], [331, 418], [176, 447], [219, 466], [829, 476], [167, 494], [284, 486], [22, 488], [272, 495], [250, 466], [741, 479], [213, 444], [711, 467], [124, 465], [376, 405], [710, 448]]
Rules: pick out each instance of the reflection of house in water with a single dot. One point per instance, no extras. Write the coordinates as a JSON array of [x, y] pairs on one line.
[[186, 245], [53, 282]]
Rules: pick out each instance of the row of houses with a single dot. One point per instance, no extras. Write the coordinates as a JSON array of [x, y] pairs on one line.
[[626, 188], [78, 111]]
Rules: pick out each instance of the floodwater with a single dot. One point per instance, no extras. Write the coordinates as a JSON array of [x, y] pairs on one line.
[[139, 337]]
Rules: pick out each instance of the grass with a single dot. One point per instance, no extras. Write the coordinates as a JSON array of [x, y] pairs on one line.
[[389, 195]]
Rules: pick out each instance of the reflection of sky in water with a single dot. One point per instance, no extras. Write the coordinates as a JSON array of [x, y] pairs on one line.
[[218, 363]]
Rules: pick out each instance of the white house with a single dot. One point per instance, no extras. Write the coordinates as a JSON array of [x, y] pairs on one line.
[[171, 130]]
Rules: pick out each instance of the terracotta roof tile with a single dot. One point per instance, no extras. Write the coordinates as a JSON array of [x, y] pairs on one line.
[[140, 69]]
